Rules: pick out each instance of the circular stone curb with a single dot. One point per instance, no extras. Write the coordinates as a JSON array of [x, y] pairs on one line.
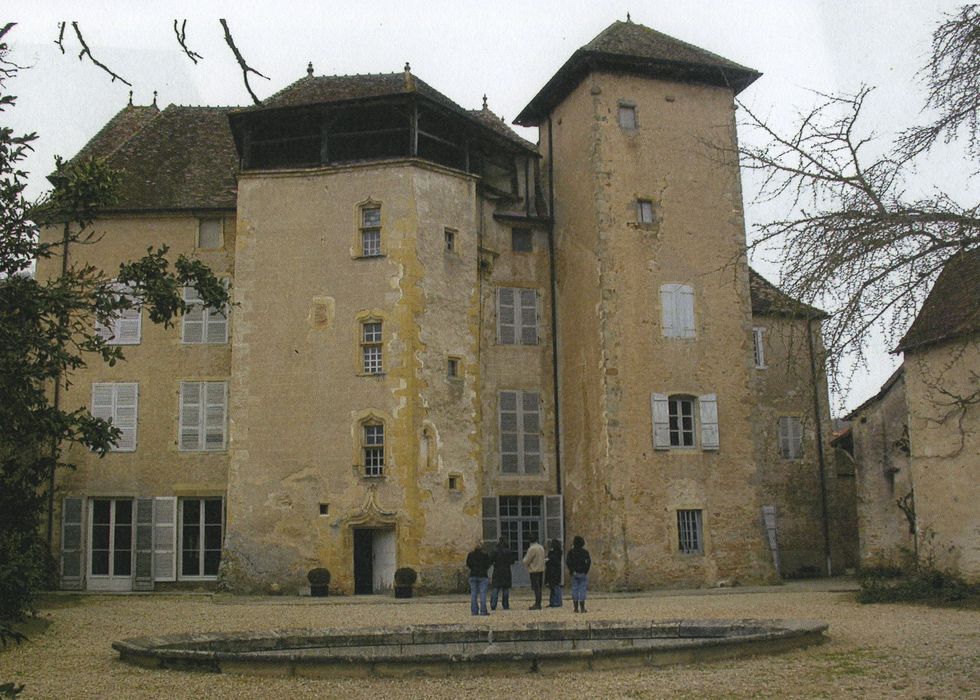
[[443, 650]]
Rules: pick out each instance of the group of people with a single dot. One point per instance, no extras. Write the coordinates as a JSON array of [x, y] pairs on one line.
[[544, 568]]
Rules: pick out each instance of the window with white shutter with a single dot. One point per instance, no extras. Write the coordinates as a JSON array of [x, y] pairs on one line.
[[519, 415], [790, 437], [203, 416], [165, 538], [676, 418], [202, 324], [677, 311], [517, 316], [126, 327], [758, 348], [118, 404], [661, 421], [72, 543], [708, 404]]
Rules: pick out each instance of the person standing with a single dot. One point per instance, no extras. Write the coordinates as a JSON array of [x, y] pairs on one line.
[[534, 561], [552, 573], [579, 562], [503, 559], [478, 562]]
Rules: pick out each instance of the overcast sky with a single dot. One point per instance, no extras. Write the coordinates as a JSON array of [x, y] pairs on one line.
[[465, 49]]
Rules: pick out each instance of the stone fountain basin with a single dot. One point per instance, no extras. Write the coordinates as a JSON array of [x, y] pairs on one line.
[[444, 650]]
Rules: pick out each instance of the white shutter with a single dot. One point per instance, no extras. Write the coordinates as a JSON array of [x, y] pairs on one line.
[[531, 432], [217, 326], [165, 538], [72, 543], [508, 415], [143, 578], [127, 327], [529, 317], [668, 320], [191, 414], [216, 395], [661, 421], [506, 316], [684, 299], [102, 401], [192, 325], [125, 415], [709, 421], [553, 519]]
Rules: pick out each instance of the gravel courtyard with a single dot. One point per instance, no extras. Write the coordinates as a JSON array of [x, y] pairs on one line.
[[873, 650]]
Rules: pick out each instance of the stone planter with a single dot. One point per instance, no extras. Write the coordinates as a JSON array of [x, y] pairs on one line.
[[319, 591], [403, 591]]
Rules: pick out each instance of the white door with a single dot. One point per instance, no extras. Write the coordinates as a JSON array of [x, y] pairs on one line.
[[110, 555], [383, 548]]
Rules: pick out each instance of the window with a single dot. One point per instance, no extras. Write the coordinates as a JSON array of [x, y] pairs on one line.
[[790, 437], [117, 403], [522, 240], [202, 324], [374, 449], [370, 231], [517, 316], [203, 415], [520, 432], [644, 211], [126, 327], [677, 311], [200, 537], [758, 349], [450, 240], [689, 534], [324, 509], [627, 116], [371, 347], [452, 368], [210, 233], [676, 419], [455, 482]]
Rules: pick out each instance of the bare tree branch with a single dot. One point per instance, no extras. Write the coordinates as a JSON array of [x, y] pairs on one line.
[[246, 69], [61, 36], [87, 52], [182, 40]]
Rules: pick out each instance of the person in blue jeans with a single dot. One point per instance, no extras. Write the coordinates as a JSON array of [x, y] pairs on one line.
[[500, 582], [552, 573], [579, 562], [478, 562]]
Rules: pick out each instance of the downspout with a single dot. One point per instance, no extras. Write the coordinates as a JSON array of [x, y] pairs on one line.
[[57, 402], [554, 312], [821, 459]]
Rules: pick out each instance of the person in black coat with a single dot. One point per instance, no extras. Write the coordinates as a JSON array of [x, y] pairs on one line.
[[552, 573], [501, 581], [478, 562], [579, 562]]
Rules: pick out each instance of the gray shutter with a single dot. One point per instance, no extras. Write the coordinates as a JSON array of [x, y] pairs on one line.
[[668, 320], [508, 414], [192, 324], [684, 299], [796, 437], [529, 317], [661, 421], [191, 409], [217, 326], [72, 543], [530, 430], [102, 401], [491, 526], [143, 580], [165, 538], [506, 316], [553, 519], [125, 415], [769, 520], [215, 415], [709, 421]]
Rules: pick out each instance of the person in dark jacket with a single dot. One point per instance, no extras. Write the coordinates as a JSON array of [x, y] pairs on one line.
[[579, 562], [552, 573], [478, 562], [500, 582]]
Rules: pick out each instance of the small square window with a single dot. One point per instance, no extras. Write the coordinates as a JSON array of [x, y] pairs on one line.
[[644, 211], [455, 480], [450, 240], [452, 368], [522, 240], [324, 509], [210, 234], [627, 116]]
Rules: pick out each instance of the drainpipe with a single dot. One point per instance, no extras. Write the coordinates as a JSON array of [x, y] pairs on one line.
[[57, 403], [554, 311], [821, 459]]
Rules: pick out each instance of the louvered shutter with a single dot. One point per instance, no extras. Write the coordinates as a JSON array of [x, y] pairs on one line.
[[553, 518], [191, 410], [506, 316], [668, 312], [772, 534], [127, 327], [102, 401], [491, 525], [509, 432], [143, 580], [192, 325], [661, 421], [125, 415], [165, 538], [215, 415], [531, 432], [529, 317], [684, 300], [795, 438], [72, 543], [709, 421], [217, 326]]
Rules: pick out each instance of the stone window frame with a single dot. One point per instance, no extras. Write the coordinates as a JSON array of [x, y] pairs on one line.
[[372, 346], [690, 531], [362, 343], [359, 248], [626, 107], [454, 366]]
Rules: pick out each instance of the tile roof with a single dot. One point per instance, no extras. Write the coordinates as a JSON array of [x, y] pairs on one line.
[[633, 48], [769, 300], [882, 392], [952, 309], [487, 117], [180, 158]]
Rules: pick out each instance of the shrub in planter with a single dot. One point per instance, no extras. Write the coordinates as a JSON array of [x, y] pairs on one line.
[[319, 579], [405, 579]]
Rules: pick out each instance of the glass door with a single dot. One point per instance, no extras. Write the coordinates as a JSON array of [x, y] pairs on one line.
[[110, 561]]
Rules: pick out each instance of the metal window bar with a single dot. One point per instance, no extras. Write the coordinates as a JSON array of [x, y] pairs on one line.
[[689, 531]]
